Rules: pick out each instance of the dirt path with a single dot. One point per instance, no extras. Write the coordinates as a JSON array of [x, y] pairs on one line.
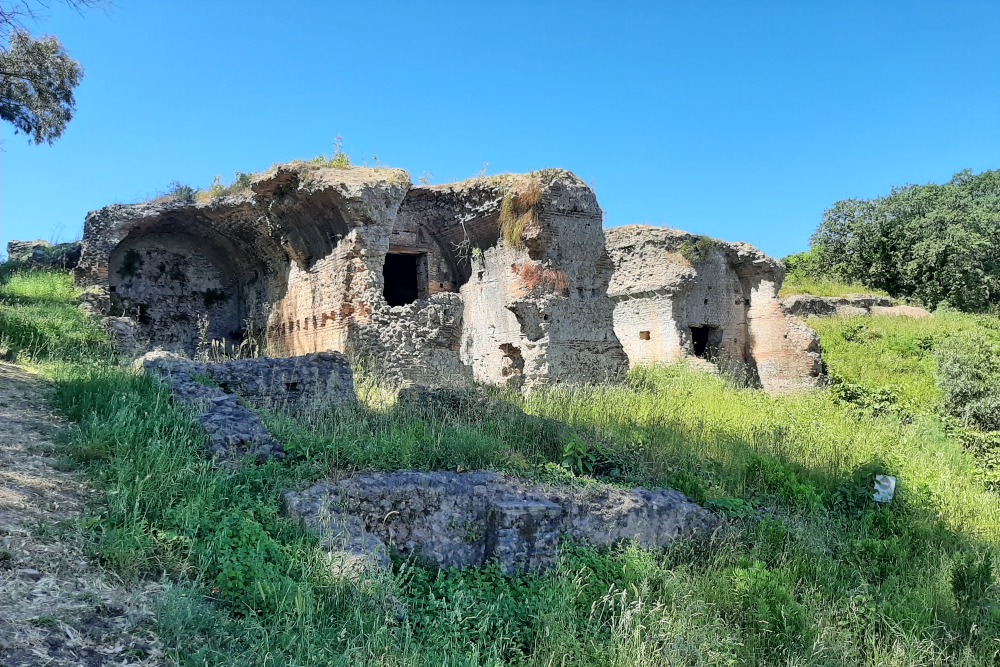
[[57, 606]]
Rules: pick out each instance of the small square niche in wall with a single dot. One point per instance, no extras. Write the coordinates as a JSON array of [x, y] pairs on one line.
[[643, 335]]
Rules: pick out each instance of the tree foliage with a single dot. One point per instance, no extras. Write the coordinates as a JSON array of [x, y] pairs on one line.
[[37, 77], [937, 244]]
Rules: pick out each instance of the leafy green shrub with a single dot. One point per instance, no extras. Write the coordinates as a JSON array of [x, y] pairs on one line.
[[870, 401], [696, 250], [182, 193], [969, 375]]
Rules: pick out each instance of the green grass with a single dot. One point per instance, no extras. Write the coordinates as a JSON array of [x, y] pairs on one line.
[[39, 319], [811, 572], [796, 283], [896, 353]]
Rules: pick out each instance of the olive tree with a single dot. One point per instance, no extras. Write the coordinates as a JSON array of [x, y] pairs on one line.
[[37, 77]]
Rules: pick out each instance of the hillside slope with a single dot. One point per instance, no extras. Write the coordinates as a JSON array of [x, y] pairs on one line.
[[810, 572]]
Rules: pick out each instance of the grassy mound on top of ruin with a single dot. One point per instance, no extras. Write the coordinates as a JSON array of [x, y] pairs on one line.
[[811, 572]]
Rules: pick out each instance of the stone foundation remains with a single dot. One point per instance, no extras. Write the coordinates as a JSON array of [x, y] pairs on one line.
[[470, 519], [806, 305], [43, 255], [212, 391], [679, 296], [501, 280]]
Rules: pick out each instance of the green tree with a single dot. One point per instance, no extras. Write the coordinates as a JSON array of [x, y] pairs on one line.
[[37, 77], [933, 243]]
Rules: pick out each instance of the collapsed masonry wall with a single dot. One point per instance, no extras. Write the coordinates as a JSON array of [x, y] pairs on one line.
[[41, 254], [679, 296], [421, 285], [212, 392]]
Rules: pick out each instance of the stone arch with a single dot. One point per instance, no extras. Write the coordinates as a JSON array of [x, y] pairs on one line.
[[188, 279]]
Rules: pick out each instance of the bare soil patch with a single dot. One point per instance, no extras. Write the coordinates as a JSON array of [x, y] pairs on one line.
[[57, 605]]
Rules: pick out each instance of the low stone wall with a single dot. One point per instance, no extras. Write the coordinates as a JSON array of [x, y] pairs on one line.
[[43, 255], [212, 391], [806, 305], [470, 519]]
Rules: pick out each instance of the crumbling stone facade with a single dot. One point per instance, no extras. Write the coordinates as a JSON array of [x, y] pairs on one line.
[[679, 296], [502, 279]]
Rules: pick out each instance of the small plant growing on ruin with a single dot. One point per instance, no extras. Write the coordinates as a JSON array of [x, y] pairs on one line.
[[581, 457], [697, 249], [179, 192], [519, 210], [204, 379]]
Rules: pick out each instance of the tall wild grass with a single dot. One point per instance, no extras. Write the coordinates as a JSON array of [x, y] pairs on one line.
[[809, 572]]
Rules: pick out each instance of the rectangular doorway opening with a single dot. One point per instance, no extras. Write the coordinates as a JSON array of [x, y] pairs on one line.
[[706, 341], [405, 278]]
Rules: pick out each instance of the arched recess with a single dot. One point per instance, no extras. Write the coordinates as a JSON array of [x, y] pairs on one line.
[[459, 226], [191, 276]]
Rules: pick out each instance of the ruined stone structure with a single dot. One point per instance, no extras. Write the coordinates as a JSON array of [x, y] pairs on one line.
[[211, 391], [43, 255], [679, 296], [502, 279], [470, 519], [806, 305]]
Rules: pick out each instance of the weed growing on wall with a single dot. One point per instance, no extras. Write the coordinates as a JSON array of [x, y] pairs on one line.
[[518, 209]]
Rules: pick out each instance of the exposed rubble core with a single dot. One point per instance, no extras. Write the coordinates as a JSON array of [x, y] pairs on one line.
[[469, 519], [679, 296], [501, 280], [212, 390], [805, 305]]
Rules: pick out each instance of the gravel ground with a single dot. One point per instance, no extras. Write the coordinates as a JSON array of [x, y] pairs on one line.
[[57, 605]]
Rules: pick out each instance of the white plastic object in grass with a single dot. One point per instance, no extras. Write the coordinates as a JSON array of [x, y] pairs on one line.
[[885, 488]]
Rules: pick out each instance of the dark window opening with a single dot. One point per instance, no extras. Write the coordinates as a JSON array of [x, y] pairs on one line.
[[405, 278], [706, 341], [291, 386], [643, 335]]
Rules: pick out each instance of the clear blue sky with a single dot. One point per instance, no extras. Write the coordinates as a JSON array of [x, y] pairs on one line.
[[742, 120]]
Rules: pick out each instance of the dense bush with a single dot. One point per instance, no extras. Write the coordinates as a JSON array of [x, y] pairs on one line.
[[969, 376], [933, 243]]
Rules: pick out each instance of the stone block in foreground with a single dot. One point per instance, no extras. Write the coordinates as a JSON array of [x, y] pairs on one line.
[[471, 519]]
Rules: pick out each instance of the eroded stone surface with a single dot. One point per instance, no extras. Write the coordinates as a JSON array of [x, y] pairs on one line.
[[680, 296], [469, 519], [501, 280], [806, 305], [212, 392]]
